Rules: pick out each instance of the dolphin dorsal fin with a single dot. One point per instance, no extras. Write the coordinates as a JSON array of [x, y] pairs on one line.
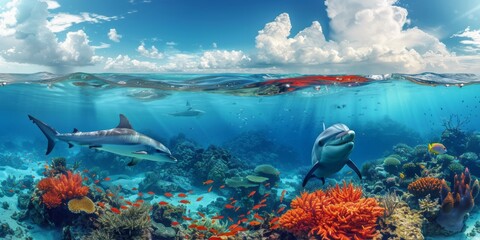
[[124, 123], [323, 126], [75, 130]]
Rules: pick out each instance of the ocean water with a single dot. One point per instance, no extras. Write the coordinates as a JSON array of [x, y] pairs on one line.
[[256, 118]]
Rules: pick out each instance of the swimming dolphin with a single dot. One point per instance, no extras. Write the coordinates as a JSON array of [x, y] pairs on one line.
[[331, 152], [190, 112], [122, 140]]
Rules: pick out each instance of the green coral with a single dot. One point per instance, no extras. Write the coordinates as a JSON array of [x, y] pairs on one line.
[[238, 182], [391, 164], [217, 172], [133, 223], [456, 168], [256, 179], [445, 160], [266, 170]]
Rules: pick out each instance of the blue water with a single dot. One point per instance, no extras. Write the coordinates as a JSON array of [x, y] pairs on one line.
[[236, 112], [383, 112]]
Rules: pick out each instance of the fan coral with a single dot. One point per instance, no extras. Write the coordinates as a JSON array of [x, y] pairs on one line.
[[456, 204], [424, 186], [84, 204], [338, 213], [64, 188]]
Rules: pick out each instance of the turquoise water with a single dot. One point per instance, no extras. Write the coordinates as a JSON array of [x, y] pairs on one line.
[[236, 111]]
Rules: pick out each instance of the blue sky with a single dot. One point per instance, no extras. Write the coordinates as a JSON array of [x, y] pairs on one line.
[[270, 36]]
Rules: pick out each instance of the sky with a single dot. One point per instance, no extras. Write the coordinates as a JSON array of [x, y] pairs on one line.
[[240, 36]]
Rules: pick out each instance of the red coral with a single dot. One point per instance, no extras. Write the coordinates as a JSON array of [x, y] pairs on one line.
[[338, 213], [66, 187], [424, 186]]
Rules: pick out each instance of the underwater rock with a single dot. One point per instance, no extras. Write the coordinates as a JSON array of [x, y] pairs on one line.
[[167, 214], [22, 201], [161, 232], [5, 230], [411, 169], [454, 209], [5, 205]]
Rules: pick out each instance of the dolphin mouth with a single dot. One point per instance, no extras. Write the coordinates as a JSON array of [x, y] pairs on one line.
[[343, 138]]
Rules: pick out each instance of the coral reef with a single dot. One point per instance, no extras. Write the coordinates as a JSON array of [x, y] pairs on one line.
[[424, 186], [66, 187], [338, 213], [83, 204], [453, 137], [404, 223], [457, 203], [391, 164], [412, 169]]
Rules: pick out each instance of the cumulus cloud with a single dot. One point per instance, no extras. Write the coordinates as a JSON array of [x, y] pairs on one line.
[[28, 39], [152, 53], [369, 35], [62, 21], [473, 39], [52, 4], [113, 35]]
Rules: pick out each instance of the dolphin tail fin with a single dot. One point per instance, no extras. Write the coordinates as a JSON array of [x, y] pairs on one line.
[[354, 167], [49, 132], [311, 174]]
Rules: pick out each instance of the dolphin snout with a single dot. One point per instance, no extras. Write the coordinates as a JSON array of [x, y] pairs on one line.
[[349, 135]]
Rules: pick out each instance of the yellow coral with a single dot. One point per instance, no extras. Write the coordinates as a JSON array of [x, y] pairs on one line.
[[81, 204]]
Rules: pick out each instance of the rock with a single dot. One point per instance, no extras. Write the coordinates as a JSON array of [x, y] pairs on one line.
[[162, 232], [23, 200]]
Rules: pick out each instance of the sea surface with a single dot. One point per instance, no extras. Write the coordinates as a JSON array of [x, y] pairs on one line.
[[277, 116]]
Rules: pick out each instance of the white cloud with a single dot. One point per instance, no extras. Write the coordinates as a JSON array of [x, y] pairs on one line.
[[171, 43], [102, 46], [126, 64], [152, 53], [28, 39], [218, 59], [214, 45], [61, 21], [473, 39], [113, 35], [370, 35], [52, 4]]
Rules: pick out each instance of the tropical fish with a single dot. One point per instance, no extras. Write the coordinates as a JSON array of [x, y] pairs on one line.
[[115, 210], [210, 189], [182, 195], [251, 193], [121, 140], [167, 194], [107, 179], [185, 201], [436, 148], [331, 152], [151, 193], [208, 182], [163, 203], [282, 195], [199, 198], [124, 207], [229, 206], [202, 228], [254, 223], [174, 224], [186, 218]]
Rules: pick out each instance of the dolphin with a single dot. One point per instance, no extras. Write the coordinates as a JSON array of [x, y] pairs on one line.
[[191, 112], [331, 152], [122, 140]]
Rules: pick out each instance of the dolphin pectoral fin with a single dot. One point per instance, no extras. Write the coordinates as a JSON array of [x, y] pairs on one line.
[[70, 145], [94, 146], [133, 162], [311, 174], [124, 123], [323, 180], [140, 152], [354, 167]]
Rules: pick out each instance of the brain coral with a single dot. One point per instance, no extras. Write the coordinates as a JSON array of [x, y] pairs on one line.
[[84, 204], [424, 186], [338, 213]]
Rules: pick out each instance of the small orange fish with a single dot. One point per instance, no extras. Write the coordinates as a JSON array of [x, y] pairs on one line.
[[263, 201], [182, 195], [163, 203], [244, 220], [134, 189], [11, 190], [190, 192], [202, 228], [101, 204], [233, 202], [282, 195], [267, 184], [151, 193], [192, 225], [110, 194], [280, 210], [217, 217], [136, 204], [229, 206], [258, 206], [85, 170], [107, 179], [115, 210], [201, 214], [230, 219], [266, 195], [121, 197], [210, 189], [128, 203], [199, 199], [99, 190], [96, 181], [124, 207], [236, 209], [186, 218], [274, 220], [174, 224], [251, 193], [184, 201], [258, 217], [85, 179], [167, 194], [254, 223], [213, 230], [140, 194], [223, 186], [215, 238], [275, 226], [208, 182], [140, 201]]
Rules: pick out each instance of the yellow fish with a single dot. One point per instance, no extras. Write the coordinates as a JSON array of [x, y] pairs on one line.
[[437, 148]]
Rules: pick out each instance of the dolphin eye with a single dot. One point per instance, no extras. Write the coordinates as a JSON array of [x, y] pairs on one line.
[[320, 143], [158, 151]]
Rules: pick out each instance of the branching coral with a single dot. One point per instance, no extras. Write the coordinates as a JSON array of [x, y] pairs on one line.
[[338, 213], [457, 203], [66, 187], [424, 186]]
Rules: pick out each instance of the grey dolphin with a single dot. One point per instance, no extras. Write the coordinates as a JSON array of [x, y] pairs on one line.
[[191, 112], [331, 152], [122, 140]]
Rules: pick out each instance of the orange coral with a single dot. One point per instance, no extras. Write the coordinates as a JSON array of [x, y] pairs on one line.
[[66, 187], [424, 186], [338, 213]]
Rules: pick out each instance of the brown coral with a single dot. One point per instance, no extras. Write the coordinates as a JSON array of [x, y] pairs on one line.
[[424, 186], [338, 213], [84, 204]]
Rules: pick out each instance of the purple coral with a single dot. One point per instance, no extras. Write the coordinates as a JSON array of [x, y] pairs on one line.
[[457, 203]]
